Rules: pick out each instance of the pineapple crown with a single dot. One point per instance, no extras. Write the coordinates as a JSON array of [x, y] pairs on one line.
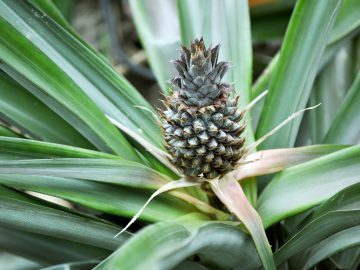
[[198, 83]]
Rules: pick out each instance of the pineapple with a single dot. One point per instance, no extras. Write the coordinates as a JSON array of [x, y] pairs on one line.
[[201, 123]]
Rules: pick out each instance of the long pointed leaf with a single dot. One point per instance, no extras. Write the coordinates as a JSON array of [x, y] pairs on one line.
[[115, 200], [5, 131], [27, 112], [337, 242], [345, 127], [15, 148], [303, 186], [46, 249], [109, 90], [119, 172], [22, 215], [299, 59], [274, 160], [69, 101], [159, 34], [61, 47], [164, 245], [338, 213], [229, 191]]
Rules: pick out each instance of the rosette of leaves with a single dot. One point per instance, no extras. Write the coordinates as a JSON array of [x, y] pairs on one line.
[[74, 129]]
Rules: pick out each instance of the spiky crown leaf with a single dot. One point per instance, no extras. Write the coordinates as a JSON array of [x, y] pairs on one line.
[[199, 81]]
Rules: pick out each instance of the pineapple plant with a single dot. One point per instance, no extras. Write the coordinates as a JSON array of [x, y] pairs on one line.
[[81, 151]]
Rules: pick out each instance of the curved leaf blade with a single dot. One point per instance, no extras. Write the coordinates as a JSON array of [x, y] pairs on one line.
[[275, 160], [5, 131], [303, 186], [229, 191], [73, 266], [337, 214], [159, 34], [115, 200], [335, 243], [346, 21], [17, 148], [46, 250], [78, 70], [27, 112], [68, 101], [35, 218], [172, 242], [345, 127], [299, 59], [113, 171]]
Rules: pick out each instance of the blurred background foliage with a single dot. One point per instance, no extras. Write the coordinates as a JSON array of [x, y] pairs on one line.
[[109, 27]]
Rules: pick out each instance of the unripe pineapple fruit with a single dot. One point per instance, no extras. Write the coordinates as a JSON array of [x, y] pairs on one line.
[[201, 124]]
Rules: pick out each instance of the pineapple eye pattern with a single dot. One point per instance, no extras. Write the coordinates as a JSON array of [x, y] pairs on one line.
[[201, 124]]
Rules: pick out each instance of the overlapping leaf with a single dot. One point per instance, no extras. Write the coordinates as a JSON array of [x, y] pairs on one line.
[[300, 57], [81, 66], [218, 245], [346, 128], [23, 215], [30, 115], [339, 213], [303, 186], [103, 197], [49, 250]]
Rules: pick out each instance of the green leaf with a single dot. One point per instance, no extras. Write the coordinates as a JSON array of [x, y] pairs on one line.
[[27, 112], [13, 262], [263, 81], [299, 60], [337, 214], [274, 160], [115, 83], [73, 266], [346, 21], [333, 244], [344, 28], [329, 89], [113, 171], [5, 131], [73, 105], [348, 259], [345, 127], [189, 265], [46, 250], [57, 10], [229, 191], [121, 201], [82, 71], [164, 245], [16, 148], [159, 34], [303, 186], [25, 216]]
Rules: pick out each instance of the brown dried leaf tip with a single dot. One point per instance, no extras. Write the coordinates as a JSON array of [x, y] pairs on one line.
[[201, 124]]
